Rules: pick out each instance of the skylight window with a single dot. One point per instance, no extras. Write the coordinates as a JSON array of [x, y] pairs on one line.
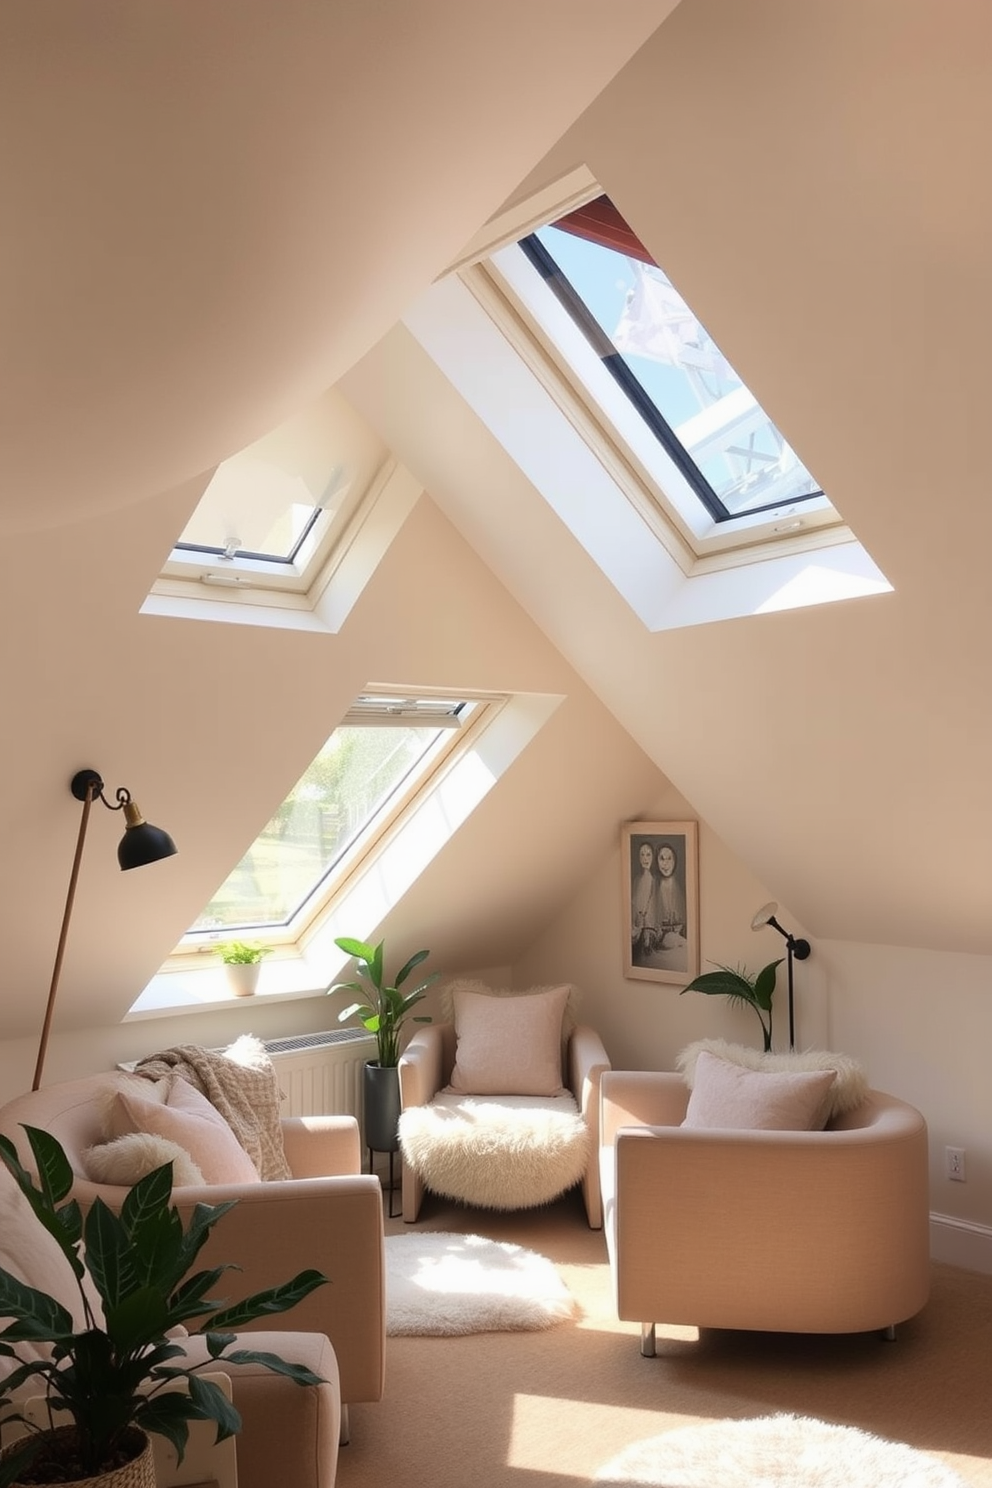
[[668, 366], [370, 768], [272, 513]]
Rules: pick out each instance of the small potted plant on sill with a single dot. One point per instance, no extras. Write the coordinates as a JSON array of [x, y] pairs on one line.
[[741, 985], [243, 962], [383, 1011], [111, 1377]]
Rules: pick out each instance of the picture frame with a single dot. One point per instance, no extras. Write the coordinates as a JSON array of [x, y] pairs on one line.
[[660, 931]]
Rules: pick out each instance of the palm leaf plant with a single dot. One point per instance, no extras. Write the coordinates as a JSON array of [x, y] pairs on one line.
[[740, 985], [112, 1375], [384, 1008]]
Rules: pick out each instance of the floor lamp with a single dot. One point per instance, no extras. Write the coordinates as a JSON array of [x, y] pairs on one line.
[[800, 949], [142, 843]]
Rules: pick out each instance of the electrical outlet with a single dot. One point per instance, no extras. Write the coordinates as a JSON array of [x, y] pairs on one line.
[[954, 1157]]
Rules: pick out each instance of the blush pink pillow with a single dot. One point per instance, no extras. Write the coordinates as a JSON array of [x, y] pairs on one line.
[[508, 1045], [727, 1095], [188, 1118]]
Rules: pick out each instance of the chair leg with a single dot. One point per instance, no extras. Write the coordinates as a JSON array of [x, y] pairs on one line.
[[647, 1341], [344, 1435], [889, 1333]]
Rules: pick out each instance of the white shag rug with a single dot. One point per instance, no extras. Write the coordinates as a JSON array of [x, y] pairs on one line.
[[441, 1284], [497, 1152], [775, 1452]]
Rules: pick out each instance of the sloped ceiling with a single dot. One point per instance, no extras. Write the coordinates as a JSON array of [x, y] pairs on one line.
[[219, 204], [817, 180], [217, 215]]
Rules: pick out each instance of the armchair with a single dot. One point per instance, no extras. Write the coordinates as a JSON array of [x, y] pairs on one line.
[[328, 1215], [426, 1068], [835, 1223]]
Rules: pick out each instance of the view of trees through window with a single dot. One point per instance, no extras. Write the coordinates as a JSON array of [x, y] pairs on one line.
[[354, 777]]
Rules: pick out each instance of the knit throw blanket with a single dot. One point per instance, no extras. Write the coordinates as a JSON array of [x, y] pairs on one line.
[[242, 1085]]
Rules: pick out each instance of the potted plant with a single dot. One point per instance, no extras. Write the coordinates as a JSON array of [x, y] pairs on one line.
[[111, 1377], [740, 985], [383, 1011], [243, 961]]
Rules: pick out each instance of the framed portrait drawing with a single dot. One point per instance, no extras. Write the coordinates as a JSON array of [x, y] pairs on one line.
[[660, 931]]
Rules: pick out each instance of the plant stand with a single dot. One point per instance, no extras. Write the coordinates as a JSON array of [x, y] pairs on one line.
[[381, 1103]]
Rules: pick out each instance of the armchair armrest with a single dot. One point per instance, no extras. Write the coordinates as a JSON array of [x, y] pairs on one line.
[[422, 1066], [322, 1146], [640, 1098], [277, 1229], [586, 1062], [421, 1077]]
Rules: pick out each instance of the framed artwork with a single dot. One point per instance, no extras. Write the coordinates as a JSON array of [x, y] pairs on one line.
[[660, 869]]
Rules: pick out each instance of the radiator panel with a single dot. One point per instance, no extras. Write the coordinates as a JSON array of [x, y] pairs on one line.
[[320, 1074]]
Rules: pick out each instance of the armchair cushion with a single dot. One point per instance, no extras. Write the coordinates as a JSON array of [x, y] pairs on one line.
[[727, 1095], [508, 1045], [847, 1092]]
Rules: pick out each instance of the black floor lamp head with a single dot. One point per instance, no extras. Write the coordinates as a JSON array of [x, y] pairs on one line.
[[795, 947], [142, 843]]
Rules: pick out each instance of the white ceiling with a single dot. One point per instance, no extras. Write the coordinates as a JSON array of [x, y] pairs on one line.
[[219, 214]]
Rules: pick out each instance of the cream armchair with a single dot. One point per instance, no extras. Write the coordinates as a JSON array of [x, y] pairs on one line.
[[328, 1215], [783, 1231], [425, 1069]]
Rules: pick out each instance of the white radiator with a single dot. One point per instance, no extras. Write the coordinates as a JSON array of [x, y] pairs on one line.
[[321, 1073]]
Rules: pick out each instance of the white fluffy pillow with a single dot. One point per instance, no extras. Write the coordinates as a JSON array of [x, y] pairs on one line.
[[508, 1045], [847, 1092], [133, 1156], [728, 1095]]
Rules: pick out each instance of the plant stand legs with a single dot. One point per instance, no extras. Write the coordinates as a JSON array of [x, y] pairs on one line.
[[392, 1184]]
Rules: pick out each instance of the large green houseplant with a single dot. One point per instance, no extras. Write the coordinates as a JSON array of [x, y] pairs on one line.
[[753, 990], [383, 1010], [111, 1376]]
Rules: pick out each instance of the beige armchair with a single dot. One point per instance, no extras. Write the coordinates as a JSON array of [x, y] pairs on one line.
[[425, 1069], [782, 1231], [328, 1216], [289, 1432]]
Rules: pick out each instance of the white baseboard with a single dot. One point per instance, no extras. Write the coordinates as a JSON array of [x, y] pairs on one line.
[[961, 1242]]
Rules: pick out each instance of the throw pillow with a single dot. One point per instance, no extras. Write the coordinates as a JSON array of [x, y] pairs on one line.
[[728, 1095], [448, 992], [508, 1045], [188, 1118], [846, 1093], [127, 1159]]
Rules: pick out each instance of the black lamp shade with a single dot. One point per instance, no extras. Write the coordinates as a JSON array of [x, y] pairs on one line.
[[142, 843]]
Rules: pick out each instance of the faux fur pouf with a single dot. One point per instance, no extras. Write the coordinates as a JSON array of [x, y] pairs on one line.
[[496, 1152], [774, 1452]]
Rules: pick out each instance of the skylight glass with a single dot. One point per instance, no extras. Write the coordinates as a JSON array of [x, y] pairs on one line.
[[272, 512], [367, 768], [674, 374]]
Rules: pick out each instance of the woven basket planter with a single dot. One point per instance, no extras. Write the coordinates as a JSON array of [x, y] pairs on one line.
[[139, 1472]]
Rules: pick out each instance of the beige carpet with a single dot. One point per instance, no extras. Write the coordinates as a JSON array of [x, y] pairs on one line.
[[549, 1409]]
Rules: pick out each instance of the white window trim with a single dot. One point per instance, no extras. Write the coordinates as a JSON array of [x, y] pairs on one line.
[[378, 882], [247, 591], [580, 473]]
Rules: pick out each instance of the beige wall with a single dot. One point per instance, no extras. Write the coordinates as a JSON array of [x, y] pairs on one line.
[[920, 1021]]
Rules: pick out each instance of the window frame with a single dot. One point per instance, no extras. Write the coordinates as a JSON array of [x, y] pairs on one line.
[[290, 937]]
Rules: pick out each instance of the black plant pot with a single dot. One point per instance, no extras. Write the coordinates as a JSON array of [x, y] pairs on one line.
[[381, 1096]]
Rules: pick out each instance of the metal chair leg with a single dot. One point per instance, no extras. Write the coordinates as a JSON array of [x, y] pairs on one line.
[[647, 1341]]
